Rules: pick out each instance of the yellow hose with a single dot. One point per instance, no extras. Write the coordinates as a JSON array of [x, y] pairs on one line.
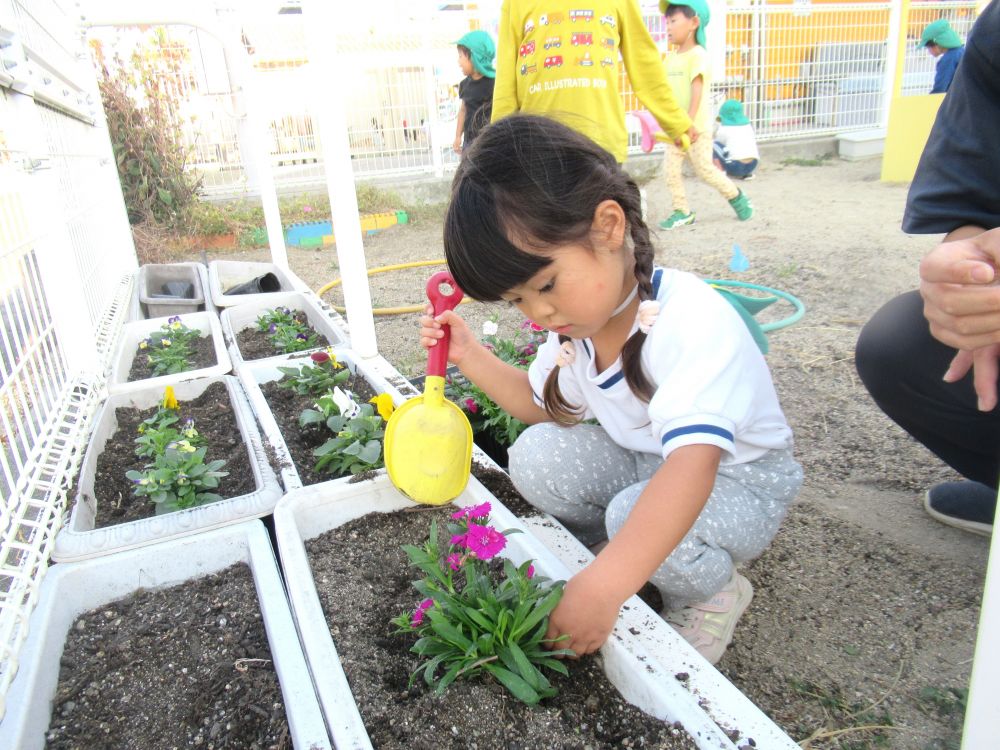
[[382, 269]]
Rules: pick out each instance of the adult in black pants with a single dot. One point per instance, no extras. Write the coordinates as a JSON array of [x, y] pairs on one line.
[[930, 358]]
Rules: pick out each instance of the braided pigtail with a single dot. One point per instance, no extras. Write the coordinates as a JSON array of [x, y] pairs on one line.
[[556, 405], [642, 251]]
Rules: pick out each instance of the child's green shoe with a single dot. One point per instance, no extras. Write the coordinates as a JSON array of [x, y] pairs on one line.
[[742, 206], [677, 219]]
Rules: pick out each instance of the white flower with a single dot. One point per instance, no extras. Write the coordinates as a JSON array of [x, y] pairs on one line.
[[566, 355], [648, 311], [490, 328]]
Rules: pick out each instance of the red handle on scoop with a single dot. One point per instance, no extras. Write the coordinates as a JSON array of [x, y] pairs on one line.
[[437, 355]]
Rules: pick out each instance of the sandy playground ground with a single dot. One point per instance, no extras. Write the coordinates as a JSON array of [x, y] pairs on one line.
[[862, 629]]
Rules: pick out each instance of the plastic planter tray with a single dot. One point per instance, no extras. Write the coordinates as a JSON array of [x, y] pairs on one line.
[[254, 374], [308, 512], [154, 277], [78, 539], [241, 317], [720, 699], [69, 590], [225, 274], [128, 344]]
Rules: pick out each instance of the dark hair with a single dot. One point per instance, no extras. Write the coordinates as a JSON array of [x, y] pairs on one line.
[[465, 51], [687, 10], [535, 182]]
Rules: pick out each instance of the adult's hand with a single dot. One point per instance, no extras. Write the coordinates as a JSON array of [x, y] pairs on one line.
[[985, 363], [961, 296]]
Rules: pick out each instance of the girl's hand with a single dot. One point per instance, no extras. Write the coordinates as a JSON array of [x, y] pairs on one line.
[[586, 613], [463, 340]]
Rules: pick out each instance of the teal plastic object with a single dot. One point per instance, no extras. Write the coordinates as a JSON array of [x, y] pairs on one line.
[[748, 307]]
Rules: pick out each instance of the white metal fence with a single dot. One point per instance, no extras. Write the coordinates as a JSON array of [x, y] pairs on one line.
[[802, 69], [64, 247]]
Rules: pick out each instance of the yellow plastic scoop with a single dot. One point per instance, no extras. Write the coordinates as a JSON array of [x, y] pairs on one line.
[[428, 440]]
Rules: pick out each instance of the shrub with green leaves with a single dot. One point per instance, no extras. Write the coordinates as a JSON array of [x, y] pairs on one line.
[[356, 445], [288, 334], [323, 374], [484, 415], [169, 350], [158, 431], [474, 620], [178, 478]]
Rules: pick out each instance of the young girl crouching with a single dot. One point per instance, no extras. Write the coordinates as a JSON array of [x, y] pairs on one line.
[[690, 470]]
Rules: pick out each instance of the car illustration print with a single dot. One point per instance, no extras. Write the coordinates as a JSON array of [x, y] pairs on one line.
[[607, 62], [608, 21], [525, 69], [581, 15], [552, 42], [555, 61], [608, 43], [581, 38], [529, 26], [585, 61], [527, 49]]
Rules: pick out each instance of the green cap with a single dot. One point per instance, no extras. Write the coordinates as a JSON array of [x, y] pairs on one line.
[[700, 7], [941, 34], [481, 51], [731, 113]]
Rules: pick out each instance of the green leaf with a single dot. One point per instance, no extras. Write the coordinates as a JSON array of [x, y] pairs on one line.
[[541, 610], [517, 686], [371, 452], [165, 196]]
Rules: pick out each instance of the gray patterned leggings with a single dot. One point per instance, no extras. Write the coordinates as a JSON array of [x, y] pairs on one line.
[[590, 483]]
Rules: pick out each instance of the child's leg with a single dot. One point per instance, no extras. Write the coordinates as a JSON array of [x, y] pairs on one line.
[[574, 472], [739, 520], [673, 172], [700, 154]]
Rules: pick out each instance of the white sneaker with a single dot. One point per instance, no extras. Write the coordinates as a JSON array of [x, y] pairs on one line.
[[709, 626]]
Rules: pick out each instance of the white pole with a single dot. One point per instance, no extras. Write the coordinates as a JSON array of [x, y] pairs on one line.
[[982, 720], [327, 109], [892, 56]]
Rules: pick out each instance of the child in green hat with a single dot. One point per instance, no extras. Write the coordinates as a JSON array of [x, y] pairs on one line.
[[735, 146], [689, 74], [943, 42], [475, 57]]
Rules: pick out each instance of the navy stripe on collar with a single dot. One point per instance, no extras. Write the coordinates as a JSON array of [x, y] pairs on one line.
[[612, 380], [657, 278], [709, 429]]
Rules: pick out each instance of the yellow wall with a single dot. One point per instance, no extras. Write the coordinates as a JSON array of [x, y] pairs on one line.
[[910, 121]]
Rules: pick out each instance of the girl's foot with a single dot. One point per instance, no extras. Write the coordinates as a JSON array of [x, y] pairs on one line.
[[709, 626], [677, 219]]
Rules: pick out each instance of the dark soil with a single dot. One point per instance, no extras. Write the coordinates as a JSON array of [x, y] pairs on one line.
[[202, 355], [364, 581], [254, 344], [213, 416], [503, 489], [185, 666], [286, 406]]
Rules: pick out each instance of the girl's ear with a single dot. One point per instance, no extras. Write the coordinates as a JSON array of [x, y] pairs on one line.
[[609, 224]]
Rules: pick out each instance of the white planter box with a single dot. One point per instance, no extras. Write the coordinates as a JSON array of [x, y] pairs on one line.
[[79, 540], [861, 144], [241, 317], [154, 278], [254, 374], [306, 513], [70, 590], [226, 274], [128, 345]]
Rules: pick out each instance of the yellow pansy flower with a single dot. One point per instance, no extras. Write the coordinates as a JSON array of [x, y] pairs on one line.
[[169, 399], [383, 403]]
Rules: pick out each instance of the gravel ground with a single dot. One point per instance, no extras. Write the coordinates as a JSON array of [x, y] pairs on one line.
[[865, 609]]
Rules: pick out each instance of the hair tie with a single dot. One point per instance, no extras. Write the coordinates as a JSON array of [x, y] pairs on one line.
[[566, 355], [648, 312]]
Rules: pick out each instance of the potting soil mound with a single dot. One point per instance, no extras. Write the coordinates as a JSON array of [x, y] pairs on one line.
[[186, 666], [213, 417], [254, 344], [202, 356], [364, 580]]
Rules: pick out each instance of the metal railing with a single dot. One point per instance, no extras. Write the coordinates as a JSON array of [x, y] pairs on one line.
[[801, 70]]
